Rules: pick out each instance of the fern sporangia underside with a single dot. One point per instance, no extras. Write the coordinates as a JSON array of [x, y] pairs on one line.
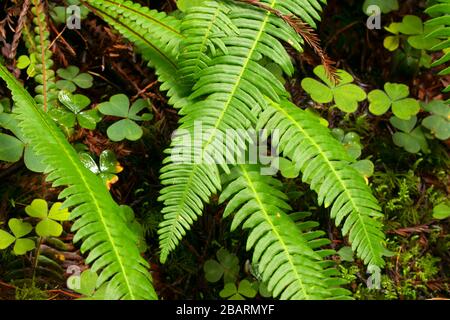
[[99, 221]]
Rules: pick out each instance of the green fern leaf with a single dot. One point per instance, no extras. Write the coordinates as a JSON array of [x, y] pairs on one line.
[[99, 221], [203, 38]]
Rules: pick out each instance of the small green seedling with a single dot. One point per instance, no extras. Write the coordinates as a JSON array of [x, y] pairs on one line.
[[71, 78], [226, 266], [344, 94], [48, 226], [409, 138], [395, 97], [127, 128], [107, 169], [19, 229], [73, 113]]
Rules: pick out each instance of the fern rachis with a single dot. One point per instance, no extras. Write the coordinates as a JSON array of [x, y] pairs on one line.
[[99, 223], [221, 96]]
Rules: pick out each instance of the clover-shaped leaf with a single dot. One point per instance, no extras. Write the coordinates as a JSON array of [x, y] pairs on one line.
[[107, 169], [71, 78], [391, 42], [245, 289], [59, 14], [47, 226], [394, 97], [19, 230], [84, 284], [213, 270], [439, 122], [410, 139], [73, 112], [226, 266], [127, 128], [422, 41], [124, 129], [441, 211], [3, 103], [344, 94], [418, 33], [135, 227], [439, 126], [365, 168]]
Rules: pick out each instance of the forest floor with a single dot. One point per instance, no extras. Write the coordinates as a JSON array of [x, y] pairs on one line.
[[405, 184]]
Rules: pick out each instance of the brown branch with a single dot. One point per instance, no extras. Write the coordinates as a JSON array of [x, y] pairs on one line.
[[306, 32]]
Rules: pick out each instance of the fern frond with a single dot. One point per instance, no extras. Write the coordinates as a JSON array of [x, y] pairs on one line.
[[308, 11], [203, 38], [282, 252], [159, 25], [442, 11], [306, 31], [326, 167], [155, 35], [99, 221], [229, 94], [45, 76]]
